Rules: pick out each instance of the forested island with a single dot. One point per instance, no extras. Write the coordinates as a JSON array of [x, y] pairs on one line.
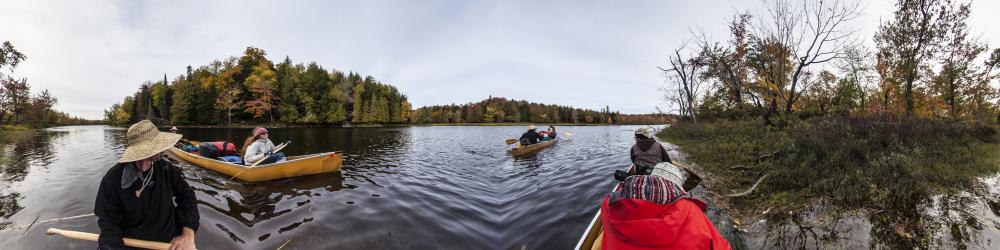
[[251, 89]]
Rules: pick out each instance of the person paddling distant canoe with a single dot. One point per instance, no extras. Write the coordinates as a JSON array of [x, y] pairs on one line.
[[551, 132], [136, 197], [647, 152], [258, 147], [530, 137]]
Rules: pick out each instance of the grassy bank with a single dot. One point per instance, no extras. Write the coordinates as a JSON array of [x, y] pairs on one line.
[[889, 169]]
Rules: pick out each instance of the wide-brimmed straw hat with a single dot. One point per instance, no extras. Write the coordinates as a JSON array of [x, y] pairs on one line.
[[531, 127], [645, 132], [144, 140]]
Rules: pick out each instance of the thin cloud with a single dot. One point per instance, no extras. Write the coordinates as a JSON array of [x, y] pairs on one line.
[[587, 54]]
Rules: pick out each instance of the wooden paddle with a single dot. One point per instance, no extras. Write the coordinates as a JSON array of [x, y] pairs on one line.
[[276, 149], [93, 237], [511, 141]]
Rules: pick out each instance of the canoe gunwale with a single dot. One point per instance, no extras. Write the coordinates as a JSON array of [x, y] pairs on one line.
[[296, 166], [276, 164], [595, 226], [533, 148]]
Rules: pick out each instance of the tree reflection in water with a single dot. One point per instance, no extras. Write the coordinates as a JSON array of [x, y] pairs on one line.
[[19, 156]]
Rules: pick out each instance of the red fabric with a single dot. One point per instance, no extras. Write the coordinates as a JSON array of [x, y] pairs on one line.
[[225, 148], [639, 224]]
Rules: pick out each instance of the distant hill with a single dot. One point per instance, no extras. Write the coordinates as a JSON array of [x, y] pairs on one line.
[[503, 110]]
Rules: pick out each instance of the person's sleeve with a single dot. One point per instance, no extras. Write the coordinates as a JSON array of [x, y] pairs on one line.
[[107, 208], [631, 155], [187, 202], [251, 155], [665, 156]]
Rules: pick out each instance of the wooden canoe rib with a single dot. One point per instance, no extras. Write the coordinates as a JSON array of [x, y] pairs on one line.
[[525, 150], [591, 238], [294, 166]]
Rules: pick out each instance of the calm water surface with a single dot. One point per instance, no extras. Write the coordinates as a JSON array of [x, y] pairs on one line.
[[449, 187]]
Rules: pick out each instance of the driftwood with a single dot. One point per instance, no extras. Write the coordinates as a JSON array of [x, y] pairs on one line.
[[740, 168], [745, 193], [769, 156]]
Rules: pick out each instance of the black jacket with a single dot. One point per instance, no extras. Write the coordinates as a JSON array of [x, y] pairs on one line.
[[531, 136], [152, 216]]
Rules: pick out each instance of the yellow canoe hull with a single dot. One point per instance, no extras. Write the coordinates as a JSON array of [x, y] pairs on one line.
[[591, 238], [294, 166], [525, 150]]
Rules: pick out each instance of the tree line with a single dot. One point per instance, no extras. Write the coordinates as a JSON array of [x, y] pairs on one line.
[[502, 110], [18, 106], [251, 89], [802, 58]]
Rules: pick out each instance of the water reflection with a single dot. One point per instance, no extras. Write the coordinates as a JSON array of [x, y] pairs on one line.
[[418, 188], [960, 220], [19, 156]]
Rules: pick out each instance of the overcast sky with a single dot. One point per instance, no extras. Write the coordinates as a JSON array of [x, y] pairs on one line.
[[588, 54]]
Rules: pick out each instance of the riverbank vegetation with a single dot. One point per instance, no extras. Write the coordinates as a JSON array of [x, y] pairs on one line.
[[793, 111], [250, 90], [502, 110], [18, 107]]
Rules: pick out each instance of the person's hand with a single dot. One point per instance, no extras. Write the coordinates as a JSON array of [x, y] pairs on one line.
[[270, 152], [185, 241]]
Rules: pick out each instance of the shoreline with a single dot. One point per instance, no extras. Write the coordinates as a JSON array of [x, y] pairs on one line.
[[391, 125]]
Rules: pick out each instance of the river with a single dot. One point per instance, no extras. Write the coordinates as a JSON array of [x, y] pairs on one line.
[[421, 187]]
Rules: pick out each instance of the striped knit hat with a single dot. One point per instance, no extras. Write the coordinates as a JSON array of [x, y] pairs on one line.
[[649, 188]]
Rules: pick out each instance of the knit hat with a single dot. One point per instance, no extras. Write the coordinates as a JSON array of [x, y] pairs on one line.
[[144, 140], [649, 188], [259, 130]]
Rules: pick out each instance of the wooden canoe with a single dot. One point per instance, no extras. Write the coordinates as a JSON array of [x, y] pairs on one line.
[[525, 150], [591, 238], [294, 166]]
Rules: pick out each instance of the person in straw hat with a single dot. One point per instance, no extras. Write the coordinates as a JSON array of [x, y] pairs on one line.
[[647, 152], [136, 197], [530, 137]]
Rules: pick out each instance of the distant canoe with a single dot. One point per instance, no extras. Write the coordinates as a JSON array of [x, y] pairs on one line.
[[294, 166], [525, 150]]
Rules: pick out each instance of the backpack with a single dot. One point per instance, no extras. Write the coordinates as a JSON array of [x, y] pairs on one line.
[[216, 149]]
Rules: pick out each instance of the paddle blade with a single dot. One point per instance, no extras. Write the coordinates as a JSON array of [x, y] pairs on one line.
[[511, 141]]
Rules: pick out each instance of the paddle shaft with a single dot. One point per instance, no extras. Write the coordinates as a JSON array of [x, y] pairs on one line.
[[279, 148], [93, 237]]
